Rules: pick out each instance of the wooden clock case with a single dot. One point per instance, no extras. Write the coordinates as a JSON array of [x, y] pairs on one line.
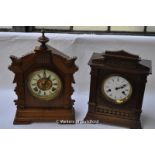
[[31, 109], [132, 68]]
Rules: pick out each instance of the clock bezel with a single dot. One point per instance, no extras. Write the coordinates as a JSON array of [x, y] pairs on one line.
[[118, 102], [42, 98]]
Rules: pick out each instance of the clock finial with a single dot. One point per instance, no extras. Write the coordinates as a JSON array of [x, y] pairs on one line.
[[43, 40]]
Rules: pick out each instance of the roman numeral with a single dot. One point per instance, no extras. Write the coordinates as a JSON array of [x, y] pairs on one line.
[[39, 76], [44, 73], [49, 76], [35, 89], [39, 92], [34, 84], [51, 92], [53, 89], [55, 83], [54, 80]]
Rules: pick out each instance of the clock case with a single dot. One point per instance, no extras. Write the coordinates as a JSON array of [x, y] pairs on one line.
[[124, 64], [29, 108]]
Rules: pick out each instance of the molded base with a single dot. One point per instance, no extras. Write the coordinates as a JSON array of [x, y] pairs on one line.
[[132, 124], [30, 115]]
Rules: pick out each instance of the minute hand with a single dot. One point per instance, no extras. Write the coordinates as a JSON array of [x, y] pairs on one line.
[[117, 88]]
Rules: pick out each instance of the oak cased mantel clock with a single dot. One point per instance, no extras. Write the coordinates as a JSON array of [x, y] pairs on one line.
[[117, 88], [44, 85]]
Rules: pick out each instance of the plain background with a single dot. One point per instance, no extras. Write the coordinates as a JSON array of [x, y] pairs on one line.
[[82, 46], [88, 13]]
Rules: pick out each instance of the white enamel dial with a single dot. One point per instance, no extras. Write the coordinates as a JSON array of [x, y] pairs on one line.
[[44, 84], [117, 89]]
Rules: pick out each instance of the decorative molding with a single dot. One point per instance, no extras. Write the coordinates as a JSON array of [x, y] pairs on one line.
[[119, 113]]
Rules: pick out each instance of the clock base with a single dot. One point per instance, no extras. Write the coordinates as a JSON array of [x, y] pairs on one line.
[[30, 115], [132, 124]]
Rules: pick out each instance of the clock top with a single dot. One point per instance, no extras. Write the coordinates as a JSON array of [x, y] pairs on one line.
[[43, 40], [121, 55], [44, 55], [121, 61]]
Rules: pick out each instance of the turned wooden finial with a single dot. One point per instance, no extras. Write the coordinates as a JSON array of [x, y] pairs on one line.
[[43, 40]]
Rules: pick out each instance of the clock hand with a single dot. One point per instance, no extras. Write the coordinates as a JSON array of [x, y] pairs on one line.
[[121, 87], [44, 74], [47, 79]]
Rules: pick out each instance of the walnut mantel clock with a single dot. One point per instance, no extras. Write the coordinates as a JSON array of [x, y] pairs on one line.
[[44, 85], [117, 87]]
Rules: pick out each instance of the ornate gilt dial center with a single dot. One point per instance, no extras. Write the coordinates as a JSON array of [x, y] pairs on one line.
[[44, 84]]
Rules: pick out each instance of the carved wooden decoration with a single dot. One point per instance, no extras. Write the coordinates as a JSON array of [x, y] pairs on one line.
[[117, 87], [44, 85]]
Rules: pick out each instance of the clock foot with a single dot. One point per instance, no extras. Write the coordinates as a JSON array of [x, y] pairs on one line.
[[136, 125], [30, 115], [16, 122]]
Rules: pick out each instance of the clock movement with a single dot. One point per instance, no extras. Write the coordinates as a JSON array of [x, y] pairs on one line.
[[117, 87], [44, 85]]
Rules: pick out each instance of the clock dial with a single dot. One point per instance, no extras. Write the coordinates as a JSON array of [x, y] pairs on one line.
[[44, 84], [116, 89]]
